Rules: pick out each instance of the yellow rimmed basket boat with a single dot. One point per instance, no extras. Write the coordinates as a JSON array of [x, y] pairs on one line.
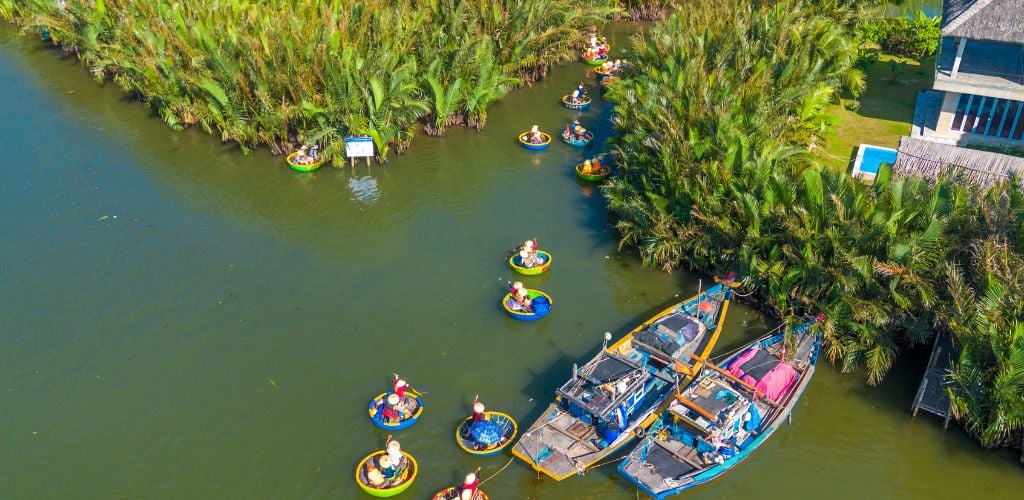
[[452, 493], [541, 306], [303, 168], [598, 177], [508, 428], [390, 487], [515, 260], [525, 142]]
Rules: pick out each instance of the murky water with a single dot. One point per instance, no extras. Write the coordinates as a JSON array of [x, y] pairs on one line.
[[179, 320]]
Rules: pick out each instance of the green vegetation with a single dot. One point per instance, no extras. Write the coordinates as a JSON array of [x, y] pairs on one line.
[[882, 113], [906, 36], [282, 71], [716, 172]]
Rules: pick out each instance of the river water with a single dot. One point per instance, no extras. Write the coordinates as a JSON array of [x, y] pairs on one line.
[[179, 320]]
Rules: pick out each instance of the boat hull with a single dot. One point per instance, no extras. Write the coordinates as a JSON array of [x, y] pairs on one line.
[[508, 424], [578, 142], [530, 271], [300, 167], [714, 472], [378, 420], [521, 316], [534, 147]]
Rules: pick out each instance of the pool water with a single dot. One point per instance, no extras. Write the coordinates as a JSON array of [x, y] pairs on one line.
[[870, 158]]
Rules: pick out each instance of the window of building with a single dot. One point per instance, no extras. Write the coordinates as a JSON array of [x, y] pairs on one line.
[[989, 116]]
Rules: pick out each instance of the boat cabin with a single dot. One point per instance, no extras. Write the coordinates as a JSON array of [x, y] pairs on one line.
[[608, 389]]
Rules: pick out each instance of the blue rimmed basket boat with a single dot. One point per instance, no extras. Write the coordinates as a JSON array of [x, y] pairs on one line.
[[376, 410], [585, 104], [578, 142], [524, 141]]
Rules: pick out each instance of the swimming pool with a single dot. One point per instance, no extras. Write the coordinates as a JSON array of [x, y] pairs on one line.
[[870, 159]]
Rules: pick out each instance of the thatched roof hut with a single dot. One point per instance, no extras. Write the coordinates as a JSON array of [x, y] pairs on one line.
[[991, 20], [919, 157]]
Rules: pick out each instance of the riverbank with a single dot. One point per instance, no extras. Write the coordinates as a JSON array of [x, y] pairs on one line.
[[283, 73]]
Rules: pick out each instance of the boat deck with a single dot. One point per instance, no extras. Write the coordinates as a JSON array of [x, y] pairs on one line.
[[561, 445]]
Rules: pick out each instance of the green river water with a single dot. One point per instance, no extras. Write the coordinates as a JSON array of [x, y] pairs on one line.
[[182, 321]]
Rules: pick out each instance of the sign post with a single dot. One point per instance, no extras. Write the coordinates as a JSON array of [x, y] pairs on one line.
[[359, 147]]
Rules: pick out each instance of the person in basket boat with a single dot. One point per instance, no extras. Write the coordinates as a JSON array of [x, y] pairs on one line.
[[478, 410], [575, 131], [515, 287], [394, 451], [481, 432], [534, 136], [392, 412], [581, 90], [304, 157], [528, 254], [470, 485], [576, 97], [520, 300]]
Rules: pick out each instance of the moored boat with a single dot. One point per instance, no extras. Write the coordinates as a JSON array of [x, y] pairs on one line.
[[603, 172], [302, 167], [411, 405], [486, 439], [515, 261], [612, 398], [524, 140], [724, 415], [540, 307], [452, 493], [369, 479], [583, 104], [573, 141]]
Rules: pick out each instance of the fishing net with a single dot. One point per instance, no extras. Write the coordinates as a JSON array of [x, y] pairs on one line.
[[485, 432]]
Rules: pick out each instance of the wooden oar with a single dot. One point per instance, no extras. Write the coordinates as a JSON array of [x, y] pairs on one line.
[[689, 404]]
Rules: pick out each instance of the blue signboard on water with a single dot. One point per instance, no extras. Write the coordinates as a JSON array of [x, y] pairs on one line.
[[358, 147]]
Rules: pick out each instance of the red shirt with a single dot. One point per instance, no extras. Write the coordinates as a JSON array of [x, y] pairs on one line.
[[399, 390], [471, 486], [477, 416]]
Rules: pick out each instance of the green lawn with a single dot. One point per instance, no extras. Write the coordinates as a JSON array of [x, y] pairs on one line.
[[886, 107]]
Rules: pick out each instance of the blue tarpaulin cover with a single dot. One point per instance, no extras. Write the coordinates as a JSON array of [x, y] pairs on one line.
[[541, 306], [485, 432]]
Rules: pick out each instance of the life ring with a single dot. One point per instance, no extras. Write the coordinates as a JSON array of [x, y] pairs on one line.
[[639, 432]]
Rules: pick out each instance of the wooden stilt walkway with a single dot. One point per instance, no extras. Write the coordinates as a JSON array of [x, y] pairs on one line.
[[932, 394]]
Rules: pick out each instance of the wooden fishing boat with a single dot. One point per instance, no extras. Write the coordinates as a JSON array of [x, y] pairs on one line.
[[573, 105], [724, 415], [452, 493], [612, 398], [589, 136], [515, 260], [390, 487], [508, 428], [524, 141], [411, 401], [598, 177], [300, 167], [537, 313]]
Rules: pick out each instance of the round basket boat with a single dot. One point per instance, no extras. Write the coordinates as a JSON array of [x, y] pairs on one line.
[[452, 493], [597, 61], [578, 142], [303, 168], [392, 486], [377, 406], [515, 260], [508, 426], [580, 106], [598, 177], [524, 141], [528, 316], [601, 73]]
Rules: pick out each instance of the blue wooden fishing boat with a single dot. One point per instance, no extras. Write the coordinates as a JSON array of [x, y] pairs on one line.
[[612, 398], [412, 409], [724, 415]]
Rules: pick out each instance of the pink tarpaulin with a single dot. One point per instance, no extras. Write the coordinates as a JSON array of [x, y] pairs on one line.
[[773, 384]]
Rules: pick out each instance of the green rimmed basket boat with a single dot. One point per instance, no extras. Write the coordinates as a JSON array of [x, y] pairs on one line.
[[530, 271], [303, 168], [406, 477], [605, 172]]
